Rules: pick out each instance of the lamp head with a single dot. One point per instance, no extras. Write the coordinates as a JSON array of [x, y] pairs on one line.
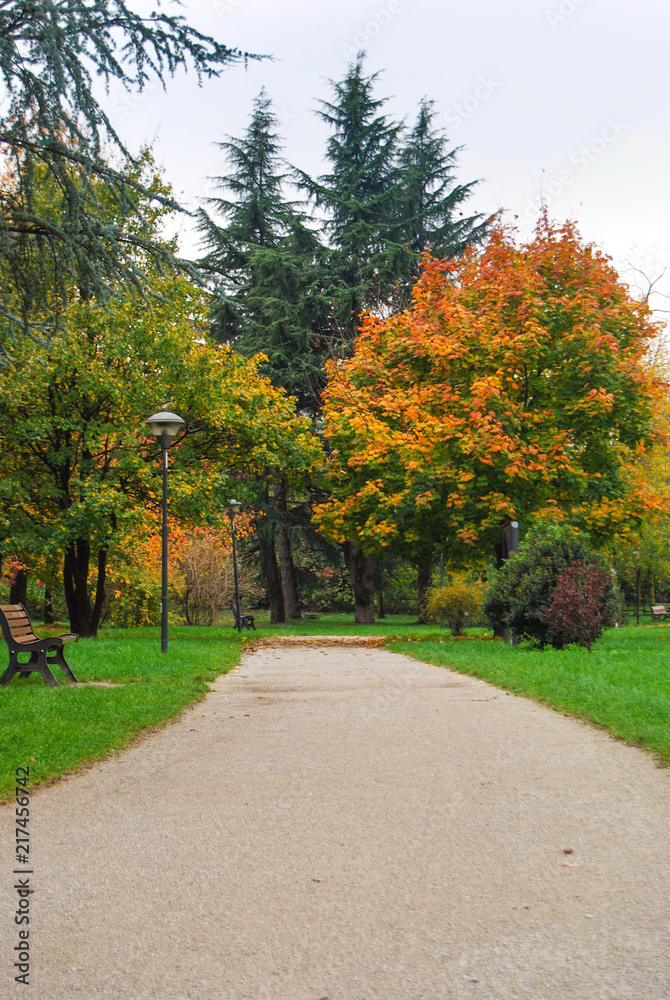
[[234, 507], [165, 425]]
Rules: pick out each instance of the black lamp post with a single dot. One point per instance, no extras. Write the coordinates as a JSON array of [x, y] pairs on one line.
[[165, 426], [510, 545], [233, 509]]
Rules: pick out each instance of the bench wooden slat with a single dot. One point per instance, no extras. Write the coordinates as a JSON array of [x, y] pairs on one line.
[[12, 607], [13, 616], [21, 629]]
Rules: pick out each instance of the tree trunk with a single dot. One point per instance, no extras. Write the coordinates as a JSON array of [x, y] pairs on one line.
[[362, 570], [424, 583], [18, 590], [289, 580], [48, 607], [84, 619], [273, 588], [380, 605]]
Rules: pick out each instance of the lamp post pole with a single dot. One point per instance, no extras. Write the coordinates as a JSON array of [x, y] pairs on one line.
[[233, 508], [164, 556], [165, 425], [510, 545]]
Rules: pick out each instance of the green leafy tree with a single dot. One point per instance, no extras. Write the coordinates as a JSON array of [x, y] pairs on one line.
[[78, 471], [53, 54]]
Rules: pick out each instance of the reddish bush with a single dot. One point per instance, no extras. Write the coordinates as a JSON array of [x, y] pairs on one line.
[[579, 610]]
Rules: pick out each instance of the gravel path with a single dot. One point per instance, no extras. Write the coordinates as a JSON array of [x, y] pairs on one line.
[[350, 824]]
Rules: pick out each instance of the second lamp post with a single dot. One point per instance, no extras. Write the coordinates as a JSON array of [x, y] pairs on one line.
[[233, 509], [165, 425]]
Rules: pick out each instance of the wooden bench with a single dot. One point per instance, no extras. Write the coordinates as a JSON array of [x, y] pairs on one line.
[[246, 621], [17, 631], [659, 611]]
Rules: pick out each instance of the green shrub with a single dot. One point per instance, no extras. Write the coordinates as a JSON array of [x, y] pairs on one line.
[[456, 604], [523, 591]]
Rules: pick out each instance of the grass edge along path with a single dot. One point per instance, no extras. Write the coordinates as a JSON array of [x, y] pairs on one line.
[[622, 686], [56, 731]]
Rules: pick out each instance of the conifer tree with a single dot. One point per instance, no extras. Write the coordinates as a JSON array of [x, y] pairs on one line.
[[359, 198], [267, 264], [53, 54], [267, 299], [431, 216]]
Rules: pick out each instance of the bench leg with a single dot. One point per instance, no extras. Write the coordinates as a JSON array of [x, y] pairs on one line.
[[12, 669], [17, 668], [25, 669], [58, 658], [43, 667]]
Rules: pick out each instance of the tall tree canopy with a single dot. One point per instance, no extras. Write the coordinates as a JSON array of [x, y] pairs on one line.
[[431, 215], [292, 284], [513, 386], [388, 196], [52, 128], [267, 264]]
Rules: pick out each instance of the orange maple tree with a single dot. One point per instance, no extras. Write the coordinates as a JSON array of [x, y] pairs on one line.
[[513, 386]]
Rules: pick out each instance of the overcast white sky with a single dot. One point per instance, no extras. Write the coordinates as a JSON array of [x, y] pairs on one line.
[[567, 96]]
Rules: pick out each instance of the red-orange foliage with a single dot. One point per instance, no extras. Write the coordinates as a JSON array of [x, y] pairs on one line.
[[513, 386], [578, 612]]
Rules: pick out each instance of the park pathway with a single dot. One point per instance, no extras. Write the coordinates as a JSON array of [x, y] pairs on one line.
[[350, 824]]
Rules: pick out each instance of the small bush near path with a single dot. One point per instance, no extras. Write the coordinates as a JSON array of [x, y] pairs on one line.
[[456, 604], [623, 685], [578, 611]]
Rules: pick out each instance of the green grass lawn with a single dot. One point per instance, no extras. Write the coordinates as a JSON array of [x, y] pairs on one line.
[[623, 685]]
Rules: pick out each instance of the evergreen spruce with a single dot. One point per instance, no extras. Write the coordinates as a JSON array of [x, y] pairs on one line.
[[431, 214], [267, 264], [359, 198]]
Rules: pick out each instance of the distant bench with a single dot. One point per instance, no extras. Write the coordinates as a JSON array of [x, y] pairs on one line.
[[245, 621], [659, 611], [17, 631]]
